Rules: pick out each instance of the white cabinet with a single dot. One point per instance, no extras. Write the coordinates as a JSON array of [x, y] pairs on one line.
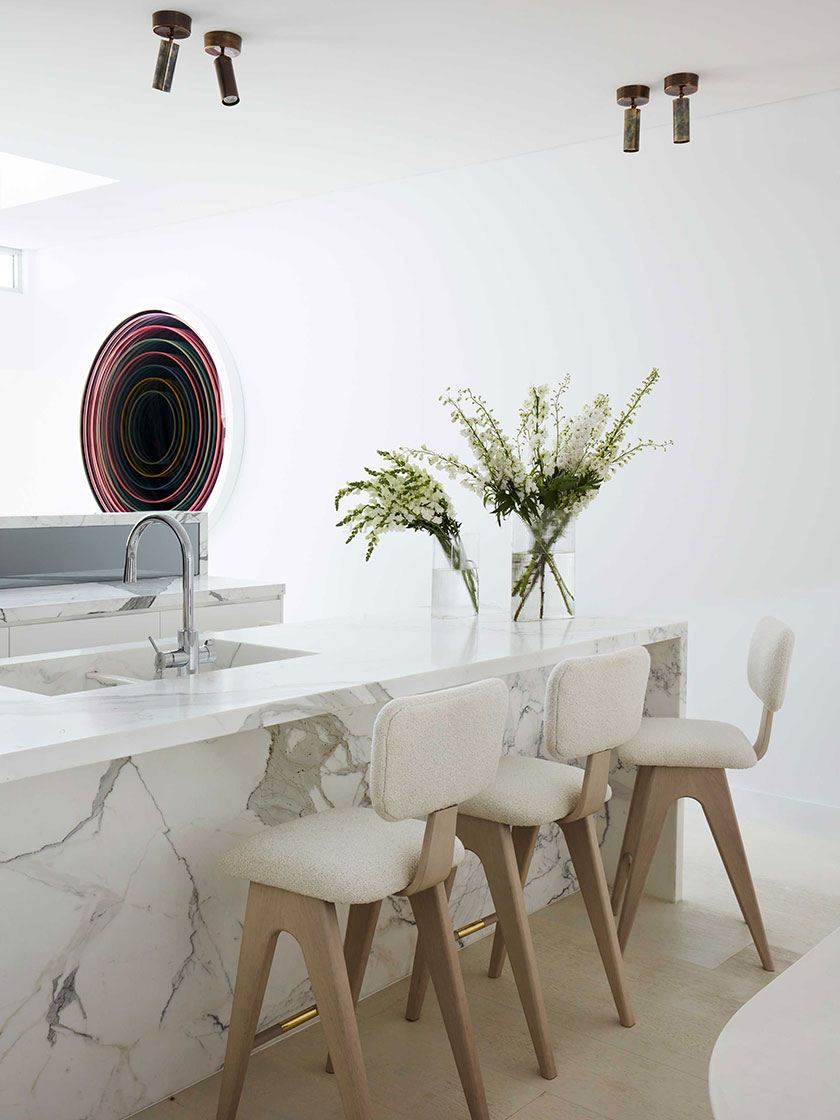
[[48, 637], [131, 626], [224, 616]]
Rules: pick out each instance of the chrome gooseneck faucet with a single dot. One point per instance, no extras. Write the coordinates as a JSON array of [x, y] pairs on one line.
[[191, 653]]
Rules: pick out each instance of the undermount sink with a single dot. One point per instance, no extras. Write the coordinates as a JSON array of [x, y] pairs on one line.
[[89, 670]]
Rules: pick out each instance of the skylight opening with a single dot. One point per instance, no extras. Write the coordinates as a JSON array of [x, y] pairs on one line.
[[11, 278], [25, 180]]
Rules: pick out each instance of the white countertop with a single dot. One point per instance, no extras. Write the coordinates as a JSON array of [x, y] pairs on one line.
[[52, 520], [354, 662], [777, 1057], [67, 601]]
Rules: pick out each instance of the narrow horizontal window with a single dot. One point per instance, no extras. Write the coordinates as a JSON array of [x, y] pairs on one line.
[[10, 270]]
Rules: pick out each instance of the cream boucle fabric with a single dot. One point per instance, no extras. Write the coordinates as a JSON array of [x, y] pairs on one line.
[[595, 703], [769, 661], [437, 749], [339, 855], [528, 791], [664, 741]]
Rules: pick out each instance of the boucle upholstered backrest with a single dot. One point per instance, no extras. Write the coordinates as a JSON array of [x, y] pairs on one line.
[[436, 750], [768, 663], [595, 703]]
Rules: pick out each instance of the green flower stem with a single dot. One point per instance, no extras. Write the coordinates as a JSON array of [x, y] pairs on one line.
[[541, 557], [453, 547]]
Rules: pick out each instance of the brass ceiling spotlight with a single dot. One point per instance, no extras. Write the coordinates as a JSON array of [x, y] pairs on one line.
[[631, 97], [224, 46], [681, 86], [170, 26]]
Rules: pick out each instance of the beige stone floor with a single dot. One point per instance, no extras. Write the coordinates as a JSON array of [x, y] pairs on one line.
[[690, 967]]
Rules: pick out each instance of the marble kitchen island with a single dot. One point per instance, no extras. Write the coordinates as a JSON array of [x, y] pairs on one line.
[[119, 936]]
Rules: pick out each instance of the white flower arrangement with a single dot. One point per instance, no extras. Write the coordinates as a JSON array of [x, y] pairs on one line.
[[547, 473], [402, 495]]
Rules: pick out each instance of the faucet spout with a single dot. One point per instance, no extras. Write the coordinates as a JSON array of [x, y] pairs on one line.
[[187, 635]]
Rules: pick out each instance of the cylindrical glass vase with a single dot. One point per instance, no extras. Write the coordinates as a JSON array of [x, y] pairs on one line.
[[543, 572], [455, 577]]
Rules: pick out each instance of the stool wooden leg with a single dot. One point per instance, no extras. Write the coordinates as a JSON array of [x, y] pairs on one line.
[[493, 844], [259, 938], [358, 938], [582, 840], [420, 970], [716, 800], [431, 912], [315, 925], [632, 832], [662, 790], [524, 842]]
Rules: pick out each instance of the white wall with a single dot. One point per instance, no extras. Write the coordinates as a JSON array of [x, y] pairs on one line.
[[17, 392], [348, 314]]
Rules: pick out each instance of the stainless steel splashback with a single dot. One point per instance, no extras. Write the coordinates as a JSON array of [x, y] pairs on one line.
[[38, 552]]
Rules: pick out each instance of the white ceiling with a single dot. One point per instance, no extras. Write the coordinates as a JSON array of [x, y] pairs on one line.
[[341, 93]]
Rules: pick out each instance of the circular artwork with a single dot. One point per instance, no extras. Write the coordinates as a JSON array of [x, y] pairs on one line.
[[153, 428]]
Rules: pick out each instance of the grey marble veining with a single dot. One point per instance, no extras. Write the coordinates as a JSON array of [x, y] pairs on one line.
[[119, 936]]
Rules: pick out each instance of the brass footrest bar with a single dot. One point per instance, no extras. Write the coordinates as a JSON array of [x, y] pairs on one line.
[[285, 1025], [310, 1013], [474, 927]]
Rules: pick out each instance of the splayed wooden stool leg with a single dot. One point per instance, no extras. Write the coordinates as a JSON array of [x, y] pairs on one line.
[[524, 842], [582, 841], [493, 844], [720, 813], [420, 970], [662, 790], [431, 912], [358, 939], [632, 832]]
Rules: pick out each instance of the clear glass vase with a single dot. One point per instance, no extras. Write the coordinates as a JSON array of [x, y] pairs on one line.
[[543, 571], [455, 578]]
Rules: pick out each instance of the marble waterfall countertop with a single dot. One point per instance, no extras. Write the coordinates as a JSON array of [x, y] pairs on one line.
[[122, 936], [350, 663], [70, 601]]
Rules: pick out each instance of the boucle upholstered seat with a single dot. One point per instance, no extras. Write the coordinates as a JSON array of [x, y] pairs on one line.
[[428, 753], [528, 791], [663, 741], [679, 758], [341, 855], [592, 706]]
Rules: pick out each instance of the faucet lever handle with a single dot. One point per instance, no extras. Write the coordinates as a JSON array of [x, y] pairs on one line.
[[162, 659]]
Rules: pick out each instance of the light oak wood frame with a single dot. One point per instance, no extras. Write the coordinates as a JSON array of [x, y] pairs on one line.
[[337, 977], [656, 789], [506, 853]]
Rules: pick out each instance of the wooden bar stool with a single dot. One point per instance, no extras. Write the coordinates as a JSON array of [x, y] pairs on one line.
[[429, 753], [689, 758], [593, 704]]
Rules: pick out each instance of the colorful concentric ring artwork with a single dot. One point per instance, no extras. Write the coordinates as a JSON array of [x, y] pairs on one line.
[[153, 430]]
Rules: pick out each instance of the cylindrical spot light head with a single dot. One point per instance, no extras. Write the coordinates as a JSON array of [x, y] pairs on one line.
[[226, 79], [631, 97], [681, 86], [632, 120], [682, 122], [165, 68], [169, 25], [223, 47]]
